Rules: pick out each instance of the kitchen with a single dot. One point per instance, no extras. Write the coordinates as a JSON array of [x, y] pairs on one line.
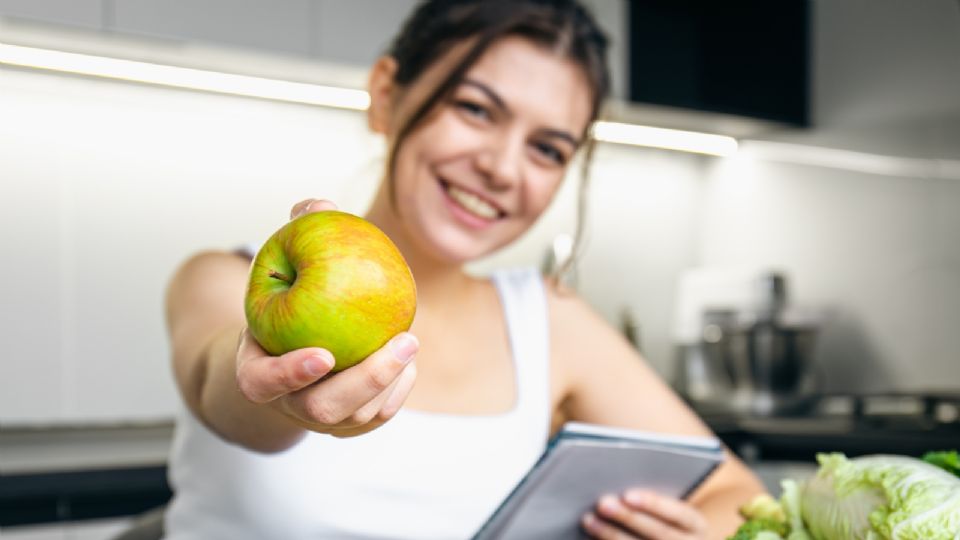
[[858, 212]]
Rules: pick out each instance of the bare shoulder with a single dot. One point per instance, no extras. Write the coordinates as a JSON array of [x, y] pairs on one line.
[[204, 277], [577, 329], [212, 261], [605, 379]]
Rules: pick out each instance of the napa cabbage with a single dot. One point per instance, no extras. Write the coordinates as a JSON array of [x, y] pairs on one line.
[[867, 498]]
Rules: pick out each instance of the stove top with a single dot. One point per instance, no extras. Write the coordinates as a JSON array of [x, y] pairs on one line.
[[892, 423]]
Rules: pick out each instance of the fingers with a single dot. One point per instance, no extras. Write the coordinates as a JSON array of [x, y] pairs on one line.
[[263, 378], [601, 529], [646, 515], [395, 398], [339, 398], [311, 205], [400, 393], [675, 511], [374, 411]]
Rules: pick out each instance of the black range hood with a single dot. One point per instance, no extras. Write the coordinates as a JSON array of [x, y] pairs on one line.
[[749, 58]]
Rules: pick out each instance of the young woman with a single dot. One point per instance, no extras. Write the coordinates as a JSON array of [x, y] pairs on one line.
[[483, 104]]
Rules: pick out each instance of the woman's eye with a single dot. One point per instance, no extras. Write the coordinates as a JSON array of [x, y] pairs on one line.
[[550, 152], [474, 109]]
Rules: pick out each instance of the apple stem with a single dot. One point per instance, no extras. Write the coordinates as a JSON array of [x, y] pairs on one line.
[[283, 277]]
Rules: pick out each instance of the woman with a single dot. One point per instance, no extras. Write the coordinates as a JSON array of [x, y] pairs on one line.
[[483, 105]]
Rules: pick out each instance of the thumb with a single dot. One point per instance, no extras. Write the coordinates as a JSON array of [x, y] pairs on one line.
[[262, 378], [307, 206]]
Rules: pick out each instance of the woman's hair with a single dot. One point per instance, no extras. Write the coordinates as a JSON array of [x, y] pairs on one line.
[[562, 26]]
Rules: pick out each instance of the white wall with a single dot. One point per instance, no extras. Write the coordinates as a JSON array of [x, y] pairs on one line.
[[879, 254], [106, 188]]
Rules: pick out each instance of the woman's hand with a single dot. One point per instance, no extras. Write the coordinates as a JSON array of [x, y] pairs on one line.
[[355, 401], [644, 514]]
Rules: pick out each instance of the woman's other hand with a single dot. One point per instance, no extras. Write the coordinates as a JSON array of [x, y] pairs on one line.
[[355, 401], [644, 514]]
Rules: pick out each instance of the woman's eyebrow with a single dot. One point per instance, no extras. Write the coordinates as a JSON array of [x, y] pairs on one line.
[[498, 101], [494, 97], [561, 134]]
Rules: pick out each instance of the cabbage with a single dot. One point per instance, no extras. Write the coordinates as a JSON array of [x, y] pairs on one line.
[[874, 498], [865, 498]]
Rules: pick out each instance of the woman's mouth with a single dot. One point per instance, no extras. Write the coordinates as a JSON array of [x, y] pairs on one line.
[[474, 210]]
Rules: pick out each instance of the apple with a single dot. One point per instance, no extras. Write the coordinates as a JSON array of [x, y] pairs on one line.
[[332, 280]]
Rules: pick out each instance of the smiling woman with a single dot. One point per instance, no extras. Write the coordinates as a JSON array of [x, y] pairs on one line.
[[483, 104], [491, 157]]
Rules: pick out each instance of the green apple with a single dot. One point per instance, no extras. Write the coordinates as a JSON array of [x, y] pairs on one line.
[[331, 280]]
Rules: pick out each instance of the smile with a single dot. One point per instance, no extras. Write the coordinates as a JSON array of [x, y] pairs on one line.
[[472, 203]]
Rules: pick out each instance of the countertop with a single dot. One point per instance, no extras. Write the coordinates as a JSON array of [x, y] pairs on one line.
[[72, 473]]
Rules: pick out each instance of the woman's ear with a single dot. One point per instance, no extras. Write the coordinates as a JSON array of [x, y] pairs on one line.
[[381, 88]]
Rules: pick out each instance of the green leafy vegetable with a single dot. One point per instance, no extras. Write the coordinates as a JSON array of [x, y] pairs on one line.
[[946, 460], [752, 530], [879, 497], [867, 498], [764, 507]]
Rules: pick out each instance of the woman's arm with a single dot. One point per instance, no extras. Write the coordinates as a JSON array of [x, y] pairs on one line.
[[606, 381], [205, 319]]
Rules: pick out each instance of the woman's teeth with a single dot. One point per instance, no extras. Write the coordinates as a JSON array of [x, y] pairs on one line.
[[473, 204]]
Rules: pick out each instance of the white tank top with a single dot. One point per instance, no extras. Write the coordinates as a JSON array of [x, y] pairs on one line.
[[419, 476]]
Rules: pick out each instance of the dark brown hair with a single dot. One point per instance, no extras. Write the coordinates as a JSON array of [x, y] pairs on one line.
[[563, 26]]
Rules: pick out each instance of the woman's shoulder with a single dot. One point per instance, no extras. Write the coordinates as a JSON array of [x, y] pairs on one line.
[[213, 260], [578, 331], [568, 310], [203, 268]]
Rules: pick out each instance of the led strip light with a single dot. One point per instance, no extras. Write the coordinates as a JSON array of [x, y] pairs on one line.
[[181, 77]]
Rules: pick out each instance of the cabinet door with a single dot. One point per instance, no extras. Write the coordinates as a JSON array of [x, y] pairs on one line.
[[86, 13], [272, 25]]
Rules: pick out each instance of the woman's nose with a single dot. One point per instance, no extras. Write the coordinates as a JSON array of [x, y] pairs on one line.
[[501, 162]]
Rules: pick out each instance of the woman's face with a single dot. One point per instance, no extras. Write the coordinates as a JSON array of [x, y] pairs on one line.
[[483, 166]]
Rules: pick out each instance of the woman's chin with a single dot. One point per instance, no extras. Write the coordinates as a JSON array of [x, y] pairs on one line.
[[455, 250]]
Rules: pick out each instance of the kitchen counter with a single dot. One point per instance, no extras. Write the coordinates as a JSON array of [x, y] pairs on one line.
[[71, 473]]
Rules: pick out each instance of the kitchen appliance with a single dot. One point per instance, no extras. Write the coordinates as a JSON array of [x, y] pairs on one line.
[[755, 357]]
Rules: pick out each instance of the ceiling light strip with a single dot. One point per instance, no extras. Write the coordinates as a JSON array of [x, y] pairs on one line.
[[181, 77], [669, 139]]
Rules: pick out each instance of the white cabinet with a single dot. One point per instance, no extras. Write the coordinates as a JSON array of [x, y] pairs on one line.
[[271, 25], [86, 13]]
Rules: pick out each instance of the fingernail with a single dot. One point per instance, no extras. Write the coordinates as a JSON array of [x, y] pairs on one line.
[[588, 520], [404, 347], [634, 497], [609, 504], [318, 364], [305, 209]]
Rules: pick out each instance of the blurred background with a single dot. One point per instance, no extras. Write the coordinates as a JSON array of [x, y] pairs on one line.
[[774, 215]]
